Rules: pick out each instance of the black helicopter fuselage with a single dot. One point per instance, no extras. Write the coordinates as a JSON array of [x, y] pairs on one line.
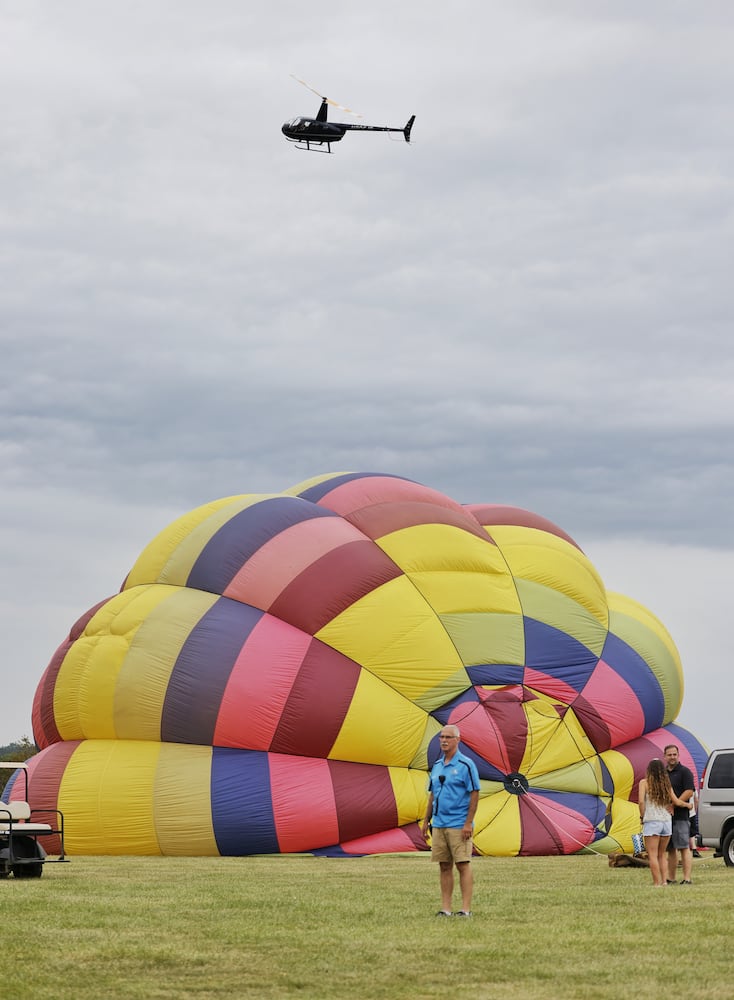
[[308, 132], [312, 130]]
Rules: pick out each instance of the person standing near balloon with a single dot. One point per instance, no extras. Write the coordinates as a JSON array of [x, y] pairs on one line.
[[680, 841], [453, 787], [655, 799]]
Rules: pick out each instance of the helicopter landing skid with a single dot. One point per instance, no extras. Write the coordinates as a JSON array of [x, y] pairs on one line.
[[309, 147]]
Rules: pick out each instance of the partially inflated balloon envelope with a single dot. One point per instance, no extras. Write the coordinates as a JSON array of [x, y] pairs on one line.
[[273, 675]]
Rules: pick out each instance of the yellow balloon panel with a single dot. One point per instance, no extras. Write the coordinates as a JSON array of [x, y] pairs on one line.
[[497, 828], [380, 727], [584, 778], [455, 592], [69, 710], [553, 562], [411, 797], [625, 822], [183, 816], [443, 548], [553, 742], [85, 688], [393, 633], [620, 770], [487, 638], [112, 814]]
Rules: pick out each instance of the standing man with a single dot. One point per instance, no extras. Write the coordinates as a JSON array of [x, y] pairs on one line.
[[683, 787], [453, 787]]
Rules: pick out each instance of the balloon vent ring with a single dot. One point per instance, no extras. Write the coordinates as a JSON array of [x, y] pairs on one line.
[[516, 783]]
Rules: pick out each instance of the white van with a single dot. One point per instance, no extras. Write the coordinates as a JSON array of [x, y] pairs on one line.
[[716, 805]]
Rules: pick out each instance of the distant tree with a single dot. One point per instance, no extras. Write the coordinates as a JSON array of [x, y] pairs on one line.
[[19, 750]]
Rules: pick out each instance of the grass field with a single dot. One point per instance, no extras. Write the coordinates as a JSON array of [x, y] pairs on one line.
[[296, 926]]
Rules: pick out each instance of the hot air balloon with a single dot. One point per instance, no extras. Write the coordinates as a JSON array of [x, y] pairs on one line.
[[274, 672]]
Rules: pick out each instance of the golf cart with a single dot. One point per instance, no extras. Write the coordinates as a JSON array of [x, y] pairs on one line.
[[20, 850]]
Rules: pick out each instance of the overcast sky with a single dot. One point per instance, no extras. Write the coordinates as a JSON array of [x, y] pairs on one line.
[[530, 304]]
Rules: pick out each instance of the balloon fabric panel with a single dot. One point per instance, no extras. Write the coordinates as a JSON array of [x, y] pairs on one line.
[[194, 694], [182, 806], [43, 715], [247, 531], [546, 648], [393, 633], [437, 548], [349, 495], [583, 776], [377, 522], [497, 729], [145, 673], [542, 558], [241, 801], [303, 803], [332, 584], [482, 638], [551, 830], [408, 789], [497, 828], [364, 799], [493, 516], [638, 676], [380, 726], [401, 841], [555, 738], [643, 632], [557, 610], [351, 484], [117, 818], [616, 703], [282, 559], [262, 681], [325, 682]]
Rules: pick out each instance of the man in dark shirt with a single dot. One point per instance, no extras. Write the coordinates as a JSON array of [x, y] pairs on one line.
[[683, 786]]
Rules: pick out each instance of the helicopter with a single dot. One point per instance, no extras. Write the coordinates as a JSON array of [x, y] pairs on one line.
[[313, 133]]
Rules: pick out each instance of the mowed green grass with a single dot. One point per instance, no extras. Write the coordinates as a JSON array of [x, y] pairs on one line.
[[298, 926]]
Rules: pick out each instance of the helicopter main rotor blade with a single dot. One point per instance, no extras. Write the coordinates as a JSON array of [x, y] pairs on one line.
[[327, 99]]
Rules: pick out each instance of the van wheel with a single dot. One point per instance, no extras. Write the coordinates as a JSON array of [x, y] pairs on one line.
[[727, 849]]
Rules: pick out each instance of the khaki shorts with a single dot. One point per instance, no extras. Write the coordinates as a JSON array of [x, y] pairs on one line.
[[448, 844]]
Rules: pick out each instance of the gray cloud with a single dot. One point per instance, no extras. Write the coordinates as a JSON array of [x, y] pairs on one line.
[[530, 304]]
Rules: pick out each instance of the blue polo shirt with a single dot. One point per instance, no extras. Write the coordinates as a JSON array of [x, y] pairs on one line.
[[451, 797]]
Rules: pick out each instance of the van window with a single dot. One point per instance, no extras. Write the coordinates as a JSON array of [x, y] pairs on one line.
[[722, 771]]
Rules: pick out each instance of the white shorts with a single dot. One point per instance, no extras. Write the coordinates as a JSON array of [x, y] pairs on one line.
[[657, 828]]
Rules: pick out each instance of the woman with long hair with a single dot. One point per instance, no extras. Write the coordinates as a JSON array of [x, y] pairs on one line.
[[656, 798]]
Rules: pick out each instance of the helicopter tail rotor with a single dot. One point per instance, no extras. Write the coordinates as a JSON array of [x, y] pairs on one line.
[[327, 99], [408, 127]]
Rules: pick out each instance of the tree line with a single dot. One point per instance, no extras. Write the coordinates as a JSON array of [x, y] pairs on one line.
[[18, 750]]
